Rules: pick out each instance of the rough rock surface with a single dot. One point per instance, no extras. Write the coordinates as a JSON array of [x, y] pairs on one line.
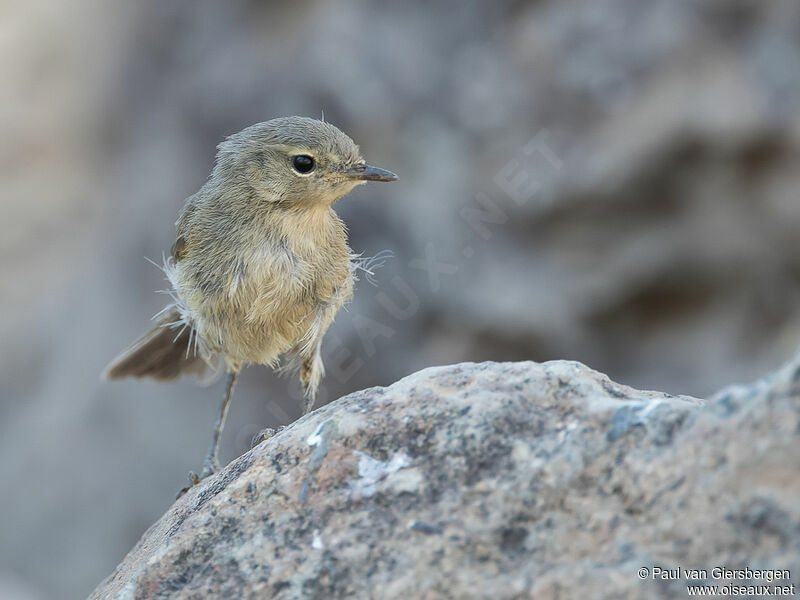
[[661, 247], [502, 480]]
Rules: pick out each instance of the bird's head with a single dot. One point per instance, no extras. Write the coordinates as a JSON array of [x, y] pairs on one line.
[[295, 161]]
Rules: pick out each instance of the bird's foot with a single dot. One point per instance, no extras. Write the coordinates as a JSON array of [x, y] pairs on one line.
[[210, 466], [193, 481], [264, 435]]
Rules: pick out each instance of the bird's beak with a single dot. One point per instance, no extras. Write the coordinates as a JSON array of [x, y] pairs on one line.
[[369, 173]]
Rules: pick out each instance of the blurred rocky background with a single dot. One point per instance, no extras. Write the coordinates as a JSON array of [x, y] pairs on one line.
[[611, 181]]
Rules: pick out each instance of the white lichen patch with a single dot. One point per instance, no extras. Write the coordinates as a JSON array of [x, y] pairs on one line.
[[372, 471], [316, 541], [405, 481], [316, 437]]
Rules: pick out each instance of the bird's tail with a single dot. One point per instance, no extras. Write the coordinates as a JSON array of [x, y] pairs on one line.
[[167, 351]]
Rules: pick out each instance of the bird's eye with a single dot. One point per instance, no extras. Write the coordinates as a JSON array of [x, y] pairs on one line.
[[303, 163]]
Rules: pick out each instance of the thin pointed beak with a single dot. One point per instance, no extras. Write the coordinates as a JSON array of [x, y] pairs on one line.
[[369, 173]]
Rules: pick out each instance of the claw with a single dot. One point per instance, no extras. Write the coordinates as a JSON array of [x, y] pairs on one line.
[[264, 435], [194, 479]]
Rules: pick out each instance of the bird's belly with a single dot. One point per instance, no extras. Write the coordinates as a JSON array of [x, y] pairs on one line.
[[268, 324], [261, 313]]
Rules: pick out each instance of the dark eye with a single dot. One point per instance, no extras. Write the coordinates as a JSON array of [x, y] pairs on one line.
[[303, 163]]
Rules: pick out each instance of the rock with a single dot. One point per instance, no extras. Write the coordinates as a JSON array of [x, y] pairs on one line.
[[502, 480], [660, 245]]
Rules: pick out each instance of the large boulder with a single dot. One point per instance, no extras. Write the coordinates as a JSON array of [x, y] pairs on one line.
[[502, 480]]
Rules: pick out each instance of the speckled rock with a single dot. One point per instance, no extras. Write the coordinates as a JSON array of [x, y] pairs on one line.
[[501, 480]]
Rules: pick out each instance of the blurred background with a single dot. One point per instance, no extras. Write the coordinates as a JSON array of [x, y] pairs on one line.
[[610, 181]]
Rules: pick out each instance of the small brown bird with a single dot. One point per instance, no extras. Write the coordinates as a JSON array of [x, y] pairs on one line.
[[260, 265]]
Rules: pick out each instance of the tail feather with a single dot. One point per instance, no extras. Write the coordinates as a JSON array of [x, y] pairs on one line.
[[163, 353]]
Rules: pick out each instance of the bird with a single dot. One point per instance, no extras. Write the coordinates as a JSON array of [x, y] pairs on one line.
[[260, 265]]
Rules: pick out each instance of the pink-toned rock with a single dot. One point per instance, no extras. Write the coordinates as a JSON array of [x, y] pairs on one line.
[[501, 480]]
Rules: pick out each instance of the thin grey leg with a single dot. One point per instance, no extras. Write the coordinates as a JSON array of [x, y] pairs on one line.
[[211, 463]]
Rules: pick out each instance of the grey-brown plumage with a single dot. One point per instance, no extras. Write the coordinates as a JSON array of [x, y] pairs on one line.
[[261, 265], [160, 354]]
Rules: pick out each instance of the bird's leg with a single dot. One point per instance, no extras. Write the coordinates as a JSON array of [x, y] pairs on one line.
[[311, 372], [211, 463]]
